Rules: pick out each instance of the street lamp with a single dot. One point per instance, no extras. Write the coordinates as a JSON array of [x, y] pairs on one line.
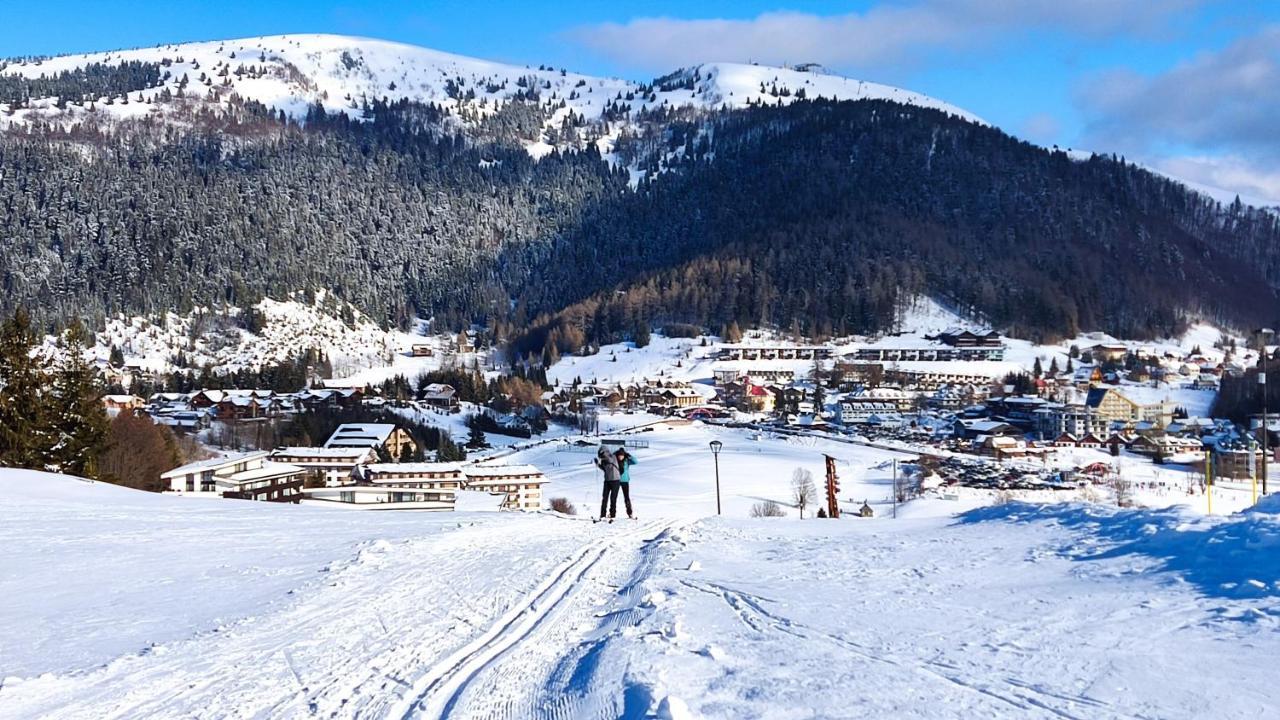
[[1262, 380], [715, 452]]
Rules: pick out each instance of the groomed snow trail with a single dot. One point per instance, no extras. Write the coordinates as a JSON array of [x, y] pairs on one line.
[[518, 668], [402, 629]]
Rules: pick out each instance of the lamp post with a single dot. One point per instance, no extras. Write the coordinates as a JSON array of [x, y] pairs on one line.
[[715, 452], [1262, 380]]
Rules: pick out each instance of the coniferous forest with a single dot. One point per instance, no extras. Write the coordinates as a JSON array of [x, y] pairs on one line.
[[819, 216]]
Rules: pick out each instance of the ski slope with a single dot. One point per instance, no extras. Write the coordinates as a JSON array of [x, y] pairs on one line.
[[118, 604]]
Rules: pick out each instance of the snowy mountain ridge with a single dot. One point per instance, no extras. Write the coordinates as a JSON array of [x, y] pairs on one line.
[[292, 73]]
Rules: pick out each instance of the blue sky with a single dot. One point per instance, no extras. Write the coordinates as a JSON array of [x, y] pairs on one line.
[[1190, 86]]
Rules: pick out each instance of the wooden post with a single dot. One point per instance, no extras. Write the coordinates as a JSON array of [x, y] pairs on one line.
[[833, 488]]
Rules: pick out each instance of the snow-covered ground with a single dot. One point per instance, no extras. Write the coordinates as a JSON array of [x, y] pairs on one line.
[[359, 351], [292, 73], [118, 604]]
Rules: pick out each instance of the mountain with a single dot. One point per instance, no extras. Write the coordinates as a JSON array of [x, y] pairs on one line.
[[563, 210], [295, 73]]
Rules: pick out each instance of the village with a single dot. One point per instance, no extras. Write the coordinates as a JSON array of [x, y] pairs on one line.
[[978, 410]]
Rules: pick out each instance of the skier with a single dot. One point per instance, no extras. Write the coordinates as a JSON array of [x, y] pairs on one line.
[[625, 461], [608, 464]]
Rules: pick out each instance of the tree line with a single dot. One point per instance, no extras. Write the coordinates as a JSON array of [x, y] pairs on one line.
[[822, 214]]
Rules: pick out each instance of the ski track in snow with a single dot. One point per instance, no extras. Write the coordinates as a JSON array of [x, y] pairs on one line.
[[519, 669], [404, 649]]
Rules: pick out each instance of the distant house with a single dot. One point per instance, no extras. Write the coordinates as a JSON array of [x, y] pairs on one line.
[[396, 441], [1090, 441], [1110, 352], [959, 337], [440, 395], [758, 398], [421, 350], [973, 429], [243, 476], [115, 404], [206, 398], [680, 397], [1066, 440]]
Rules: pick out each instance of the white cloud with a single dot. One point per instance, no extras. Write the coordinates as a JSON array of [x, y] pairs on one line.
[[1042, 128], [885, 35], [1224, 100], [1255, 183]]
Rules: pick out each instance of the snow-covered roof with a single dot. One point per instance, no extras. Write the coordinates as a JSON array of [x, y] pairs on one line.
[[482, 472], [413, 467], [320, 452], [360, 435], [215, 463]]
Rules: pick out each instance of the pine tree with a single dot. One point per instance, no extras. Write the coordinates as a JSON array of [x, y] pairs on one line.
[[79, 421], [24, 429]]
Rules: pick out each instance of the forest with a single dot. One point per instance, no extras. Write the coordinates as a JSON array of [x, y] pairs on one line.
[[819, 216]]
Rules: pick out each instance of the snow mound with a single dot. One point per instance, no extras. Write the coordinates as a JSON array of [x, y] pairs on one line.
[[1228, 557]]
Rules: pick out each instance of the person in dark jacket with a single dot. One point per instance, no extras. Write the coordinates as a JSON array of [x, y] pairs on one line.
[[608, 464], [625, 461]]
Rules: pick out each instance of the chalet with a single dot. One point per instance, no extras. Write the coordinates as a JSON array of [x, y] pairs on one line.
[[520, 484], [246, 407], [206, 398], [973, 429], [1066, 440], [328, 466], [962, 338], [244, 476], [680, 397], [396, 441], [116, 404], [757, 398], [421, 350], [1090, 441], [440, 395], [1109, 352], [1234, 460]]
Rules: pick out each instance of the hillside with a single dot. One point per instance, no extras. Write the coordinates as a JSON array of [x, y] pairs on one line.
[[184, 607], [295, 74], [540, 202]]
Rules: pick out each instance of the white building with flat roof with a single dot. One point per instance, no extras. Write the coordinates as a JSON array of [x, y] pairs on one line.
[[521, 484], [332, 465], [243, 476]]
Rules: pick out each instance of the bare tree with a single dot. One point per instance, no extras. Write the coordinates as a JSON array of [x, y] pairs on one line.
[[768, 508], [563, 506], [803, 491]]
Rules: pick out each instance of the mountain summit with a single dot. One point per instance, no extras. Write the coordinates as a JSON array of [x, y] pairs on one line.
[[295, 73]]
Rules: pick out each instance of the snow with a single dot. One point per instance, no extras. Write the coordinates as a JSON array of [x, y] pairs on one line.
[[116, 603], [341, 73], [359, 351]]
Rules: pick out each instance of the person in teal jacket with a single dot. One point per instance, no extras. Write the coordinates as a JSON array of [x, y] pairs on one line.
[[625, 461]]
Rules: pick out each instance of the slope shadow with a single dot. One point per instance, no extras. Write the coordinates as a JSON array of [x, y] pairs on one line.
[[1237, 557]]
